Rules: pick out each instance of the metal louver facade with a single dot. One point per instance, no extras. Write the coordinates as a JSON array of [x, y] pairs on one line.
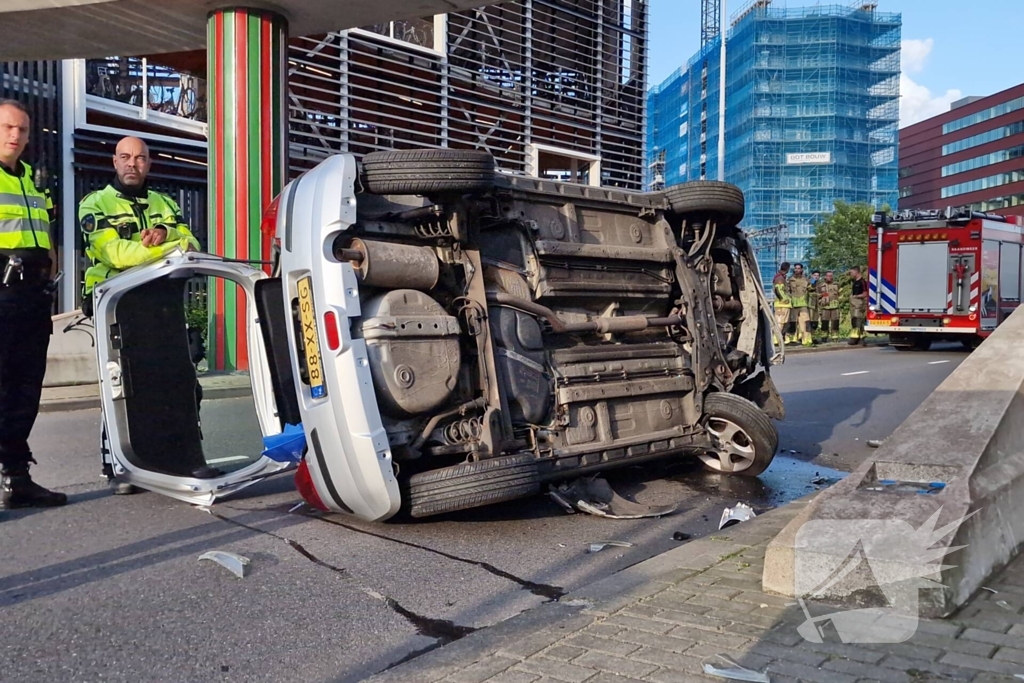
[[568, 76]]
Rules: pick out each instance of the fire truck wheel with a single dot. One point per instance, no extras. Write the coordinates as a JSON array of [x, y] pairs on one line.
[[744, 438], [427, 171], [707, 199], [923, 343], [970, 342]]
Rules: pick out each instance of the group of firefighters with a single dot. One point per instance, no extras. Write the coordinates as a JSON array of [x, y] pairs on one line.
[[125, 224], [805, 306]]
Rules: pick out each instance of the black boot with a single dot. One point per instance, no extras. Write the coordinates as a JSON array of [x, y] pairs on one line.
[[17, 490]]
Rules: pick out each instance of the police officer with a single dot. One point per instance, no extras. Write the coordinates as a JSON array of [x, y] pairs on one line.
[[799, 290], [126, 224], [858, 306], [813, 305], [828, 292], [27, 264], [780, 288]]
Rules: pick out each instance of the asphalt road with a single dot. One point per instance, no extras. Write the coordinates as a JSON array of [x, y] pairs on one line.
[[110, 589]]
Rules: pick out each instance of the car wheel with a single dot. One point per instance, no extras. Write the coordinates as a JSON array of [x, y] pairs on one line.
[[427, 171], [720, 201], [744, 438], [472, 484]]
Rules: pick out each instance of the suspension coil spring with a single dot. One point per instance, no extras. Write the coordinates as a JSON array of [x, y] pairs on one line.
[[463, 431], [433, 228]]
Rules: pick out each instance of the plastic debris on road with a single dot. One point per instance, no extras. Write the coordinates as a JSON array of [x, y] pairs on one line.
[[735, 672], [596, 497], [875, 443], [233, 562], [681, 536], [288, 446], [601, 545], [734, 515]]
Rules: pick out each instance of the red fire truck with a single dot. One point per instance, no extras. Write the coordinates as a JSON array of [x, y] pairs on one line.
[[951, 274]]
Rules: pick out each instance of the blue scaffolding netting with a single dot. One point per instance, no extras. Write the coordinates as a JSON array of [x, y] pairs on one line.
[[812, 117]]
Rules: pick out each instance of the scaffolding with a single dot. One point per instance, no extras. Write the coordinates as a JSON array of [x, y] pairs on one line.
[[568, 75], [812, 117]]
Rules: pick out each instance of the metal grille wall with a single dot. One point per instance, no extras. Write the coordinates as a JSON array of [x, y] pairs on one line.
[[568, 74]]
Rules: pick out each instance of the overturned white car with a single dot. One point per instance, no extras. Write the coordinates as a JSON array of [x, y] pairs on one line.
[[448, 337]]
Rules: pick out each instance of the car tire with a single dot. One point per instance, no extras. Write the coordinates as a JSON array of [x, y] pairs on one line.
[[427, 171], [472, 484], [747, 438], [714, 199]]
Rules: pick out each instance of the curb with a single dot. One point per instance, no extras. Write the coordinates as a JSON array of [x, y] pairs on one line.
[[594, 601], [841, 346], [90, 402]]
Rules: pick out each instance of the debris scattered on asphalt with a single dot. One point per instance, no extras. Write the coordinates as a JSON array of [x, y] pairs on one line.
[[562, 502], [601, 545], [596, 497], [296, 507], [734, 515], [792, 451], [894, 486], [1005, 605], [819, 480], [233, 562], [990, 590], [875, 443], [681, 536], [735, 671], [764, 605]]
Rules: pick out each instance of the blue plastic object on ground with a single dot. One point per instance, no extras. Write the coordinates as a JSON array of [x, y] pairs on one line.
[[288, 446]]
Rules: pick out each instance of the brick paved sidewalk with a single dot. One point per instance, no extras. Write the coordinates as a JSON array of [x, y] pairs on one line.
[[659, 620]]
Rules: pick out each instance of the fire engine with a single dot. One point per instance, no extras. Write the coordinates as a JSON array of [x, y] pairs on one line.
[[948, 274]]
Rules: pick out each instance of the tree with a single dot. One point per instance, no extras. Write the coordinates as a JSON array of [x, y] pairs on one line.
[[841, 239]]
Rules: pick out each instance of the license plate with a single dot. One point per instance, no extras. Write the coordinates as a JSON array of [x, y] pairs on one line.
[[311, 339], [880, 323]]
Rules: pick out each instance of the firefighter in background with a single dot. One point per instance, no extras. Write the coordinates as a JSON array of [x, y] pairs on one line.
[[858, 306], [813, 305], [780, 288], [828, 293], [799, 294]]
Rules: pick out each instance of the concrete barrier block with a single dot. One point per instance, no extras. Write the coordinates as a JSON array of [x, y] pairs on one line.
[[71, 356], [968, 439]]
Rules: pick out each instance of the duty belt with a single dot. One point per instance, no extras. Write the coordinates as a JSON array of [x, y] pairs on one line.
[[14, 272]]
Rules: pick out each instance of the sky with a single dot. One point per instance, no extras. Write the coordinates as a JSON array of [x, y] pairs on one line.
[[951, 49]]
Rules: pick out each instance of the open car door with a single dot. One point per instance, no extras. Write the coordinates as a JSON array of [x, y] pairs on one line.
[[149, 390]]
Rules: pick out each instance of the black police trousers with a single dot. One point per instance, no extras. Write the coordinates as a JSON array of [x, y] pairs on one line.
[[25, 328]]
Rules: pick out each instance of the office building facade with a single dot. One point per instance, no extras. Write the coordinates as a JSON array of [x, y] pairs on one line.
[[972, 155]]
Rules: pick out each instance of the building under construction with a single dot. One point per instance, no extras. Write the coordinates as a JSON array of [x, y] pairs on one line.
[[552, 88], [812, 113]]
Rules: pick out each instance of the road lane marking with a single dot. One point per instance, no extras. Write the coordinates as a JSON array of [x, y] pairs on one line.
[[851, 374], [938, 362]]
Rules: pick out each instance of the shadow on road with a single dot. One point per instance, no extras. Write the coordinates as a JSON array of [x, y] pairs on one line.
[[813, 416]]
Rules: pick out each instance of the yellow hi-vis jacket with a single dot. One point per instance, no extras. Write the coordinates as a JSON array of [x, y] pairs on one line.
[[24, 211], [112, 223]]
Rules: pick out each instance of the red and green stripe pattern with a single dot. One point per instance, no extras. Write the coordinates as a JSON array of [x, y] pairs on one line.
[[247, 73]]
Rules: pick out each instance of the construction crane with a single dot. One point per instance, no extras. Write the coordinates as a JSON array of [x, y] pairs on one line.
[[710, 20]]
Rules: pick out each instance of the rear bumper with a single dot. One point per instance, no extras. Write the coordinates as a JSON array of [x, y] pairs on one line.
[[904, 329], [349, 456]]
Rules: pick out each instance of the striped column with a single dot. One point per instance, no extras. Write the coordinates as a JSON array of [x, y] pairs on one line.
[[246, 86]]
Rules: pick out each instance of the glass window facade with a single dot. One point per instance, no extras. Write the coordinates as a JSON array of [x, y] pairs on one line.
[[984, 115], [983, 138], [983, 183], [983, 160]]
